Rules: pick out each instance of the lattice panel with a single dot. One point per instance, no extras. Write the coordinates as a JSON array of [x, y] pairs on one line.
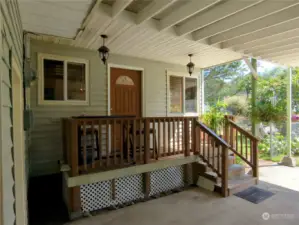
[[167, 179], [99, 195]]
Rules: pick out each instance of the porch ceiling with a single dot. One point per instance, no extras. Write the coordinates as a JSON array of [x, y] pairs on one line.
[[215, 31]]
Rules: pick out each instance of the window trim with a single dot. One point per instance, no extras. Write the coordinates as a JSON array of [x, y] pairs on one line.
[[184, 76], [65, 59]]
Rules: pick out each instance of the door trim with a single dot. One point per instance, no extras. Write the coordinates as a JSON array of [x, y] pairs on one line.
[[111, 65]]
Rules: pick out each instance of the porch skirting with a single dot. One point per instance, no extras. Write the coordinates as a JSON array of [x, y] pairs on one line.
[[122, 190]]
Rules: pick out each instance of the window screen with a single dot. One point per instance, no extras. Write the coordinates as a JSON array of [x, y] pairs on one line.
[[176, 94]]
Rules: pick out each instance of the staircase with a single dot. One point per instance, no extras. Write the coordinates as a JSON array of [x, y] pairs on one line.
[[217, 170]]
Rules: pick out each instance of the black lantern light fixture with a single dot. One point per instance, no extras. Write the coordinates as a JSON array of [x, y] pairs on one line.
[[190, 65], [103, 50]]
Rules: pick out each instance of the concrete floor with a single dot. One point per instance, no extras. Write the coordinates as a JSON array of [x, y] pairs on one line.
[[197, 206]]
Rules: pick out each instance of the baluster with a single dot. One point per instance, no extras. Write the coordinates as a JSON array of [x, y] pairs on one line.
[[173, 137], [154, 139], [159, 136], [246, 147], [107, 144], [241, 137], [178, 135], [134, 140], [128, 141], [146, 141], [204, 144], [218, 157], [121, 141], [164, 137], [114, 129], [213, 152], [232, 137], [100, 141], [199, 143], [140, 140], [93, 144], [237, 141], [209, 155], [169, 145], [84, 146]]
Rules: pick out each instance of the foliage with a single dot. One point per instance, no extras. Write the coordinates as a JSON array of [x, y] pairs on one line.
[[295, 146], [214, 118], [237, 105], [278, 145]]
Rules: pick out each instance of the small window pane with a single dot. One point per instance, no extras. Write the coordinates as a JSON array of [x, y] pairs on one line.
[[53, 80], [191, 95], [76, 87], [176, 94]]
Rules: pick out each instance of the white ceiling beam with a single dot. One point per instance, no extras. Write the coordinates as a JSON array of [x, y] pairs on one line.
[[264, 42], [184, 12], [284, 57], [242, 18], [281, 53], [253, 71], [268, 21], [277, 50], [273, 46], [119, 6], [267, 32], [152, 9], [214, 14], [92, 14]]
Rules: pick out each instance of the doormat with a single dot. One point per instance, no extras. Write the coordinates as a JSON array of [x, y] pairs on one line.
[[254, 195]]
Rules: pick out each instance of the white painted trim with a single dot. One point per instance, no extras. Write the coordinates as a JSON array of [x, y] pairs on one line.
[[170, 73], [65, 59], [111, 65], [19, 145]]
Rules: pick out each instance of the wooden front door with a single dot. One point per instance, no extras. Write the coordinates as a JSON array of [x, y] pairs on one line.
[[125, 100], [125, 92]]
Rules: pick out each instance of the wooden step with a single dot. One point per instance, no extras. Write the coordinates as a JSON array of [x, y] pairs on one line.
[[237, 185], [212, 176]]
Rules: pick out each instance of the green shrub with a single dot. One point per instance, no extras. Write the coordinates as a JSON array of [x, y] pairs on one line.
[[279, 145], [237, 105]]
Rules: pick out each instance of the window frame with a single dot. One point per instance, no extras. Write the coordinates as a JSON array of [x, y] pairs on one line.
[[184, 76], [65, 60]]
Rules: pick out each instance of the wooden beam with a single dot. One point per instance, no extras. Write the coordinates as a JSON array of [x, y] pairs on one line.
[[264, 33], [268, 21], [184, 12], [252, 69], [117, 173], [214, 14], [242, 18], [152, 9], [119, 6], [274, 51], [271, 40]]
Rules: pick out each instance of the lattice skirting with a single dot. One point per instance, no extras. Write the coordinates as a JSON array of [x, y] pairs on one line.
[[99, 195]]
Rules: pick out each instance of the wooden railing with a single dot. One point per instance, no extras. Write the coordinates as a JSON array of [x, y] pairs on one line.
[[98, 144], [214, 152], [243, 144]]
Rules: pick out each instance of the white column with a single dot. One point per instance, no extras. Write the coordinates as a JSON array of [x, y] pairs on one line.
[[289, 111]]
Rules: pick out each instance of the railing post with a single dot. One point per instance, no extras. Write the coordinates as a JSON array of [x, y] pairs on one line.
[[187, 139], [255, 159], [146, 176], [75, 191], [224, 171]]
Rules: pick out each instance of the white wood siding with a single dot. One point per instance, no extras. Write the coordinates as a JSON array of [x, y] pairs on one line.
[[46, 142], [11, 39]]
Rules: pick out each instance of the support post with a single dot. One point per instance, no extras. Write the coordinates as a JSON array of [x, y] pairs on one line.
[[224, 169], [289, 160], [253, 96]]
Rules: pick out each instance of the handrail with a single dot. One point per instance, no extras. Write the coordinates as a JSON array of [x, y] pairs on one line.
[[212, 133], [245, 132]]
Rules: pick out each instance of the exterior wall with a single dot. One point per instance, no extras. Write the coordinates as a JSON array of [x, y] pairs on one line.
[[46, 142], [11, 49]]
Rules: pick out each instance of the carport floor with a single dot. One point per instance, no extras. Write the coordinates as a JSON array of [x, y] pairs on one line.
[[197, 206]]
